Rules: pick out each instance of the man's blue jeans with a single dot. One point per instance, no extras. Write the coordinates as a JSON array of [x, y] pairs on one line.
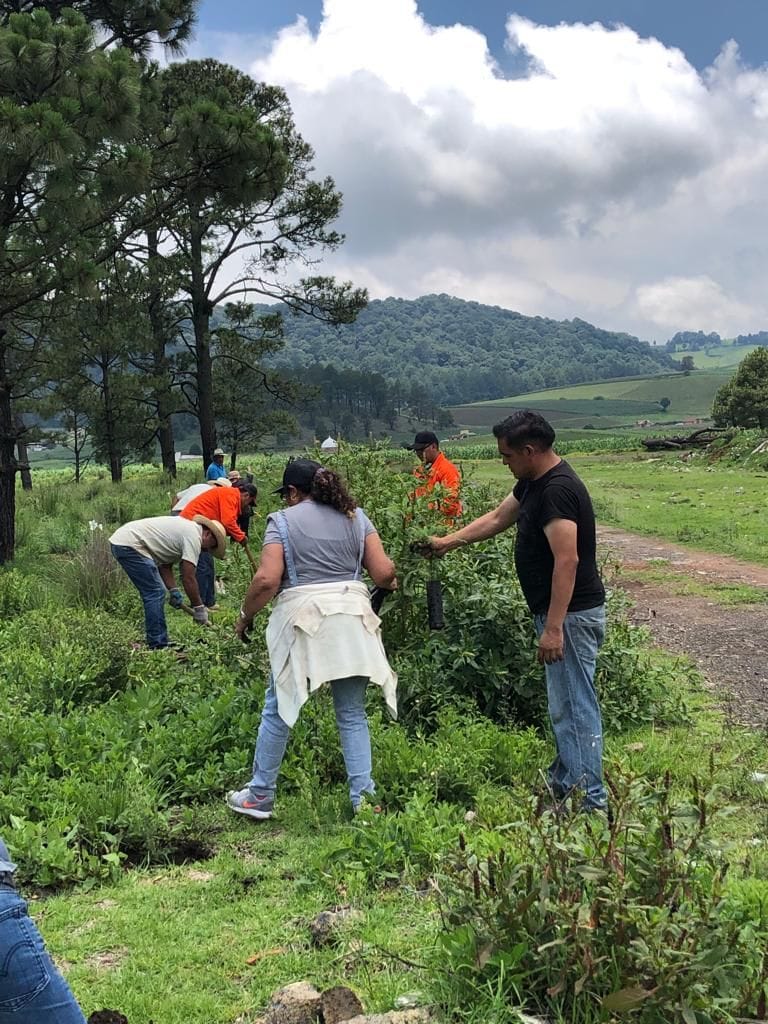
[[31, 989], [574, 709], [206, 576], [349, 704], [145, 576]]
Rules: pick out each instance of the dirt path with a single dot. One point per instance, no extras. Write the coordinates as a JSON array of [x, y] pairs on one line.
[[728, 644]]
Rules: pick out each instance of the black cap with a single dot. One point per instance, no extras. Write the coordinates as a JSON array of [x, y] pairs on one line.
[[423, 439], [299, 473]]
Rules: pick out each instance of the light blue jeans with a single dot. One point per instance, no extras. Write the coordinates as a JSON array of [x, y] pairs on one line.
[[31, 989], [574, 709], [349, 705], [145, 576]]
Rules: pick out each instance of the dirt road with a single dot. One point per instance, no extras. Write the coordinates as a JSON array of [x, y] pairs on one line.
[[728, 644]]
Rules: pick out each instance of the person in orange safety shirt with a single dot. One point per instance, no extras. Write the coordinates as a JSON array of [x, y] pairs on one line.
[[228, 504], [435, 470]]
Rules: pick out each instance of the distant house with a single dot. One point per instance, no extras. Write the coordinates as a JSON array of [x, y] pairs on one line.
[[329, 445]]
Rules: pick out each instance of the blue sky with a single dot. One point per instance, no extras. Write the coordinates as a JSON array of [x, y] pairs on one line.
[[697, 27], [564, 158]]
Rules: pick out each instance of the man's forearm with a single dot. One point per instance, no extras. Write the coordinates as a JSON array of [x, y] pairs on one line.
[[563, 582], [189, 582], [166, 575], [479, 529]]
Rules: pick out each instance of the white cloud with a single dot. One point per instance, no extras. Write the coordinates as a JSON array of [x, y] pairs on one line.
[[609, 180], [693, 303]]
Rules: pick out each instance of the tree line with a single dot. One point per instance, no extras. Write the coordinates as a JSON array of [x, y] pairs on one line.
[[466, 351], [135, 200]]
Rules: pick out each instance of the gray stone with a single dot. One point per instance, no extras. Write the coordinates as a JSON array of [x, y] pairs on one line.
[[324, 928], [295, 1004], [419, 1016], [340, 1004]]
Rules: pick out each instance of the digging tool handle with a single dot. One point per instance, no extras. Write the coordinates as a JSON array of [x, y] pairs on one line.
[[251, 559]]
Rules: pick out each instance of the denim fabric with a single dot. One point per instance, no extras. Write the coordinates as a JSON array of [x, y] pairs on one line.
[[206, 579], [574, 709], [6, 864], [31, 989], [349, 704], [145, 576]]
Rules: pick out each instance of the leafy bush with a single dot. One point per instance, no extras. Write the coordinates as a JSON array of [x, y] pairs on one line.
[[580, 918], [57, 658], [18, 593]]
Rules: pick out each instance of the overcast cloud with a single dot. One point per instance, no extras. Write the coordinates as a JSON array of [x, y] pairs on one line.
[[609, 180]]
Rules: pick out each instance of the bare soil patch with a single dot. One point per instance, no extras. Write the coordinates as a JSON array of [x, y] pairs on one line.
[[727, 644]]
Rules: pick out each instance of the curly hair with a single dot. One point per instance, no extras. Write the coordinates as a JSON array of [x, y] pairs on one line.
[[329, 489]]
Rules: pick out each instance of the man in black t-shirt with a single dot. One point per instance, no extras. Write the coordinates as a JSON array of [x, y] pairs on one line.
[[557, 568]]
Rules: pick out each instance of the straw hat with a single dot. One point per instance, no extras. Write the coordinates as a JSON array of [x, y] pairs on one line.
[[219, 533]]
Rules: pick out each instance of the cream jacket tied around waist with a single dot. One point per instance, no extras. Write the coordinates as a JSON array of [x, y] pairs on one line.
[[325, 631]]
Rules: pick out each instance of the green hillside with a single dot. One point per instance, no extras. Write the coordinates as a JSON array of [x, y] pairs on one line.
[[616, 403], [465, 351], [719, 356]]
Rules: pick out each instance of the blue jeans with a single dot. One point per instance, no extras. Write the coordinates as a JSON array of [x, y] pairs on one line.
[[145, 576], [31, 989], [205, 579], [349, 704], [574, 709]]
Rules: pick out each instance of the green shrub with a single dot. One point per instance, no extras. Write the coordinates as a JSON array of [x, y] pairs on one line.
[[18, 593], [579, 919], [60, 657]]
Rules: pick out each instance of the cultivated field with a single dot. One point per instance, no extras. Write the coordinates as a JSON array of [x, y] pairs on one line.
[[609, 404]]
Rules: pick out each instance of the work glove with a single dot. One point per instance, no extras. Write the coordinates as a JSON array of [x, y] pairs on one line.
[[176, 598], [200, 614]]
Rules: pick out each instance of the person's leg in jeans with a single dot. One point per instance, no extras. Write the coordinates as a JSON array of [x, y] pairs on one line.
[[271, 742], [574, 709], [205, 574], [31, 989], [145, 576], [349, 704]]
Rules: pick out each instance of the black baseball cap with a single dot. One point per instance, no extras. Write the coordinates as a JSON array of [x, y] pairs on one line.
[[299, 473], [423, 440]]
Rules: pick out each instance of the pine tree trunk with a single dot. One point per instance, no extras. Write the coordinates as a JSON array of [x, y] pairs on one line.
[[201, 319], [7, 466], [162, 396], [22, 454], [110, 431]]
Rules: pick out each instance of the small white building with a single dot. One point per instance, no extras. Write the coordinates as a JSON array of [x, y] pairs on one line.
[[329, 445]]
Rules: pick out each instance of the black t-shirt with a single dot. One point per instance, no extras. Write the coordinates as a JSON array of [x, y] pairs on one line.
[[559, 494]]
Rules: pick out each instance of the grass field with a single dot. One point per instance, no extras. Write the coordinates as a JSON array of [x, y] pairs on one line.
[[621, 402], [607, 404], [208, 914], [718, 508]]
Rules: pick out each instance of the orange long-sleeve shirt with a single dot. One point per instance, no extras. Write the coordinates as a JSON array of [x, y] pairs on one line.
[[443, 472], [222, 503]]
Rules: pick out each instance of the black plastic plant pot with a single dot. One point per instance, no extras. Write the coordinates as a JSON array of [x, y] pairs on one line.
[[435, 604]]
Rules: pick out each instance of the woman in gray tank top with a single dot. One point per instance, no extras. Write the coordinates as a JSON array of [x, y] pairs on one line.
[[322, 628]]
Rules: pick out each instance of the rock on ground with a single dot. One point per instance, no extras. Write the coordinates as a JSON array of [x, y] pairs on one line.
[[324, 928], [419, 1016], [295, 1004], [340, 1004]]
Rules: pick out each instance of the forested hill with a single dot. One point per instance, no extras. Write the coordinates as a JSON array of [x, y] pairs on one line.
[[465, 351]]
